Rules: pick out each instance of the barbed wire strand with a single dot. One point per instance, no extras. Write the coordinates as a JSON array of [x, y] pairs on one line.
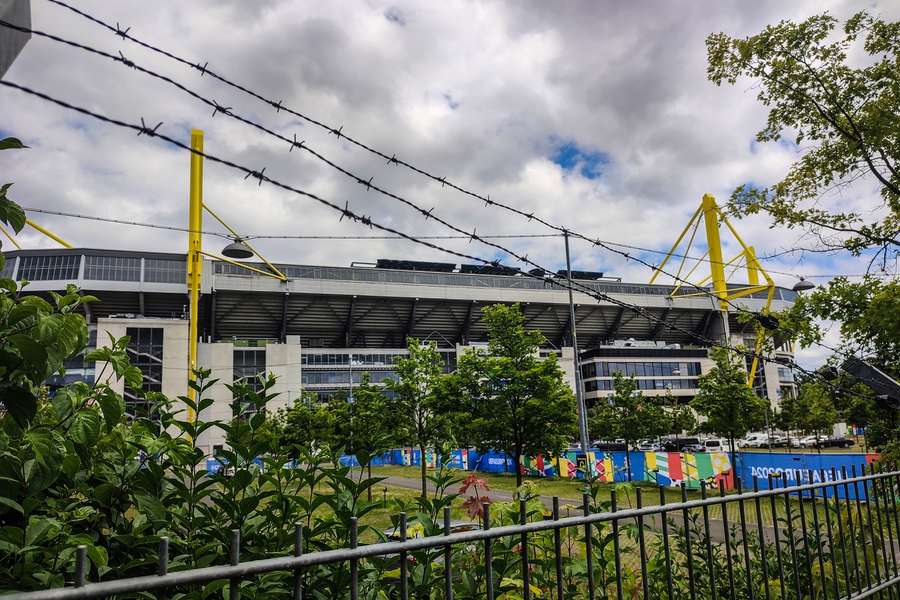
[[204, 69], [366, 220], [368, 183]]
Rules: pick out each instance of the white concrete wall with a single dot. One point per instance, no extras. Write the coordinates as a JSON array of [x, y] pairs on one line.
[[283, 361], [219, 359], [175, 350], [567, 364]]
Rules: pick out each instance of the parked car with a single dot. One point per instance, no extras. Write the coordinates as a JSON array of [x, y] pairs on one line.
[[648, 446], [716, 445], [683, 444], [810, 441]]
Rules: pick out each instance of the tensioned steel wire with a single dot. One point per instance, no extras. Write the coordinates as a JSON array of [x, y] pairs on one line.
[[368, 183], [350, 215], [338, 131]]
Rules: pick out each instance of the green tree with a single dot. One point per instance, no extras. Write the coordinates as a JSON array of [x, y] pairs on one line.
[[727, 403], [629, 415], [845, 111], [817, 414], [413, 411], [363, 424], [518, 402]]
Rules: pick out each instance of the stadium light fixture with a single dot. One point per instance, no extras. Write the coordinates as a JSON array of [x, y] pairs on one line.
[[237, 250], [803, 285]]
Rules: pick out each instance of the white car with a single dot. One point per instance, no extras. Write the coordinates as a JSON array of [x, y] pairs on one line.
[[716, 445]]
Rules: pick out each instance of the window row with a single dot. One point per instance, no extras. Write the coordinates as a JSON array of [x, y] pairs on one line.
[[643, 384], [49, 268], [344, 359], [112, 268], [343, 377], [641, 369]]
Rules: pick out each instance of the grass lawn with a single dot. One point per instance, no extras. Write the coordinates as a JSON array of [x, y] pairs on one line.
[[570, 492]]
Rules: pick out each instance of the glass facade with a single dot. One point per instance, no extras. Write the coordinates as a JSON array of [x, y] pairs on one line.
[[165, 270], [595, 385], [49, 267], [248, 365], [112, 268], [641, 369], [341, 377], [145, 348]]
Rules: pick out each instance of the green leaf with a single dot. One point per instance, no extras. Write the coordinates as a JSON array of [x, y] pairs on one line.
[[62, 404], [86, 427], [11, 143], [10, 212], [113, 407], [10, 503], [31, 351], [20, 403]]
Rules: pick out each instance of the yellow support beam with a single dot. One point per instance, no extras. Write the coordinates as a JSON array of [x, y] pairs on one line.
[[241, 265], [714, 243], [49, 234], [237, 236], [10, 237], [194, 255], [675, 246]]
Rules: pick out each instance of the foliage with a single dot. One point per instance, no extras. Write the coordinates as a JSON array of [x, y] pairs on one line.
[[727, 403], [844, 111], [308, 426], [517, 401], [413, 411]]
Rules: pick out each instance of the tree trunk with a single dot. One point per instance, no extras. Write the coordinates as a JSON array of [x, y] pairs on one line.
[[369, 489], [518, 467], [422, 471]]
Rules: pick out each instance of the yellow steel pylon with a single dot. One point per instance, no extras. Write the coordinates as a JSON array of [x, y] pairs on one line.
[[713, 218]]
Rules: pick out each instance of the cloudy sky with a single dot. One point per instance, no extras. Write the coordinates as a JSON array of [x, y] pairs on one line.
[[595, 115]]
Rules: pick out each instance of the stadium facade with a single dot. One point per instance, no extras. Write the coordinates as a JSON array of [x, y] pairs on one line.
[[324, 327]]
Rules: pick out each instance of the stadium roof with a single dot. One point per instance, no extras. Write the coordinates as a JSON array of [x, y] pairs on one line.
[[364, 306]]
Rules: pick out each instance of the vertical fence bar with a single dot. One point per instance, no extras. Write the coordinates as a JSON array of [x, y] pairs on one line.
[[726, 531], [557, 548], [874, 498], [878, 488], [862, 527], [830, 532], [80, 566], [162, 565], [488, 556], [298, 572], [666, 550], [875, 535], [354, 562], [847, 497], [742, 516], [523, 542], [789, 531], [617, 554], [645, 578], [778, 556], [894, 506], [760, 531], [448, 557], [234, 585], [685, 517], [404, 566], [589, 545], [807, 552], [836, 499], [713, 586], [820, 548]]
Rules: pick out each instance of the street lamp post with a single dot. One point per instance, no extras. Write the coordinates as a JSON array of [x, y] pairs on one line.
[[579, 387]]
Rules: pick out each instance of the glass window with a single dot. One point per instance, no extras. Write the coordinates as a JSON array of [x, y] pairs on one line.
[[145, 348], [49, 267], [164, 270], [112, 268]]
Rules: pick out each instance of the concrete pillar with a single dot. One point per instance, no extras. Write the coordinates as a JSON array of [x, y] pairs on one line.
[[219, 359], [283, 361], [567, 364]]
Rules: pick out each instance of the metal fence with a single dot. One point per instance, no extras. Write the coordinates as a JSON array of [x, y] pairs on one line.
[[831, 540]]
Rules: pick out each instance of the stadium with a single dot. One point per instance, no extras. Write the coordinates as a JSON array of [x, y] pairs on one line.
[[325, 326]]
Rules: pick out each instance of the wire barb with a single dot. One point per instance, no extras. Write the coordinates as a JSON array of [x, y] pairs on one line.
[[122, 33], [393, 160], [296, 144], [256, 175], [218, 108], [124, 60], [337, 131], [277, 106], [148, 131]]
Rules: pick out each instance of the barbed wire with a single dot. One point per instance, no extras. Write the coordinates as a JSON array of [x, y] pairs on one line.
[[346, 213], [227, 236], [368, 183], [204, 69]]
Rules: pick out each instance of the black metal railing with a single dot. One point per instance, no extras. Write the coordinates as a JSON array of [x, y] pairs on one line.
[[834, 539]]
